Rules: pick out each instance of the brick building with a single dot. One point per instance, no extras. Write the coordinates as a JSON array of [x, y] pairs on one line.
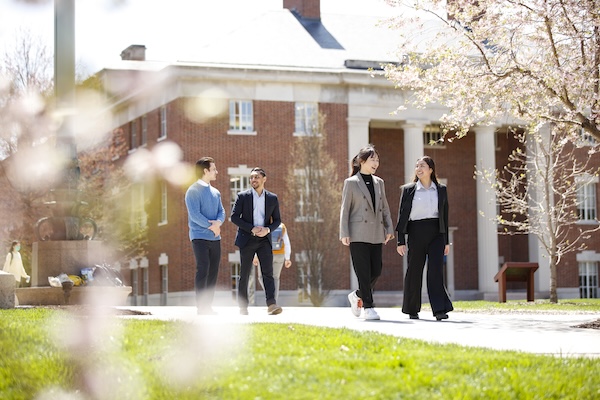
[[287, 65]]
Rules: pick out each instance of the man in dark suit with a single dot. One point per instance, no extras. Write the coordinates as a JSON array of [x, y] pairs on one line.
[[256, 213]]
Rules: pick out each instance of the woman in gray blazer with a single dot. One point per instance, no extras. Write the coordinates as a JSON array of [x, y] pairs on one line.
[[423, 216], [365, 224]]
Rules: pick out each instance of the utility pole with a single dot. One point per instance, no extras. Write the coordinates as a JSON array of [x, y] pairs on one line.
[[64, 84]]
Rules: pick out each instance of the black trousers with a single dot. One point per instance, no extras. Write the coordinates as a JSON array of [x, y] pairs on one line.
[[208, 257], [367, 262], [263, 250], [425, 244]]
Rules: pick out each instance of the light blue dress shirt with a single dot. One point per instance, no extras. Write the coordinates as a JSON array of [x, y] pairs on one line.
[[258, 202]]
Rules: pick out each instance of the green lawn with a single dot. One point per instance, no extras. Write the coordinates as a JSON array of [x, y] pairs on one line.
[[56, 355]]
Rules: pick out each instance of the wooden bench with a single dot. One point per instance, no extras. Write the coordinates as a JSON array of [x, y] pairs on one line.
[[516, 272]]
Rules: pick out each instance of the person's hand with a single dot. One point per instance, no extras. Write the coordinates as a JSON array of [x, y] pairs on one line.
[[263, 232], [215, 227], [346, 241], [446, 249], [288, 263], [388, 237], [255, 261], [27, 279], [401, 249]]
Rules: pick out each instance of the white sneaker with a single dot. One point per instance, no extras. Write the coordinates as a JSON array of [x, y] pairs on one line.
[[370, 314], [355, 303]]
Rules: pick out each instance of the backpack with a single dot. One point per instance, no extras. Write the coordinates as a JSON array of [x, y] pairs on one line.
[[277, 238]]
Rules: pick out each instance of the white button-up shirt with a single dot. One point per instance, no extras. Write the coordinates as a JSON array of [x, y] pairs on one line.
[[425, 202]]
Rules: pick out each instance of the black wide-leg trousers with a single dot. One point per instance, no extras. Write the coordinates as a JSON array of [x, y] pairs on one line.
[[368, 264], [425, 245]]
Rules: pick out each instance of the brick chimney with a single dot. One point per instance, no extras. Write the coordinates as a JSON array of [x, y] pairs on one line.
[[310, 9], [135, 52]]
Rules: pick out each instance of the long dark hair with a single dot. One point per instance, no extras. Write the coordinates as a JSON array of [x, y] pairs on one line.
[[362, 156], [431, 164], [12, 247]]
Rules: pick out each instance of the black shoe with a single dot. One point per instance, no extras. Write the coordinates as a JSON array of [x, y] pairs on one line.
[[414, 316], [441, 316]]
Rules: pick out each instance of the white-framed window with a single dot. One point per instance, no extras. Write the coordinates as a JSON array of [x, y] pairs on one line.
[[588, 279], [138, 216], [163, 203], [144, 137], [305, 209], [305, 262], [236, 268], [118, 143], [432, 136], [586, 139], [133, 132], [164, 286], [307, 119], [163, 123], [241, 117], [239, 180], [586, 198]]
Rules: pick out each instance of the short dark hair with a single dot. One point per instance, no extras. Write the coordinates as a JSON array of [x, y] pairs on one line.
[[259, 170], [203, 163]]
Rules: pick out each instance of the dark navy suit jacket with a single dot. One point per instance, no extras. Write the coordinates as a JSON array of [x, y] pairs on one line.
[[242, 214], [406, 199]]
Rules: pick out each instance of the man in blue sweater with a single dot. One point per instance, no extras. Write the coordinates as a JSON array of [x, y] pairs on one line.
[[205, 217]]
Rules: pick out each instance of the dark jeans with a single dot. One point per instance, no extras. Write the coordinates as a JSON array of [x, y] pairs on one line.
[[425, 244], [263, 250], [367, 262], [208, 257]]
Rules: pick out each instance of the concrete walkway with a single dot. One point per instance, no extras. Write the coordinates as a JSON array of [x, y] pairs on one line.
[[540, 333]]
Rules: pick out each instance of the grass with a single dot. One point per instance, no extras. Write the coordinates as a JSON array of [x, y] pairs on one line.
[[51, 354], [569, 305]]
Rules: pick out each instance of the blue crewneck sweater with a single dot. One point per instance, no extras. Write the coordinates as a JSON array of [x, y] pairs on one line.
[[203, 204]]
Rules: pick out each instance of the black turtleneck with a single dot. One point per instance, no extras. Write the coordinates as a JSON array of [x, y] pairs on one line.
[[369, 181]]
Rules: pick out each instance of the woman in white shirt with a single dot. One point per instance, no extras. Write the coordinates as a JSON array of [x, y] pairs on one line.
[[14, 263], [423, 216]]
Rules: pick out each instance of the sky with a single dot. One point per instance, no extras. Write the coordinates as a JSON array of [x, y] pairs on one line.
[[104, 28]]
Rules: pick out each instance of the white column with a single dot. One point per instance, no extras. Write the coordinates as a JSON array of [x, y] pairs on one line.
[[413, 149], [537, 252], [358, 137], [64, 72], [487, 230], [450, 264], [413, 146]]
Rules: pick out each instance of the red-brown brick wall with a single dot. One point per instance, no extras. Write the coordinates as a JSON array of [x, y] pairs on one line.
[[455, 162], [270, 149]]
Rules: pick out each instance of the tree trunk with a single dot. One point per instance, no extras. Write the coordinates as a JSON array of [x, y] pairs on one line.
[[553, 294]]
